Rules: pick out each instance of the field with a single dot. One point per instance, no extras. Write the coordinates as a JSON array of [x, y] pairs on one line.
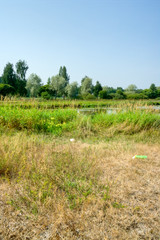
[[89, 188]]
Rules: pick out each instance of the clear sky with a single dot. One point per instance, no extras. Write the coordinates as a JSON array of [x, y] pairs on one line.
[[115, 42]]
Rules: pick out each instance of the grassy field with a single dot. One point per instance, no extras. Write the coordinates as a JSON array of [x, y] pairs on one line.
[[91, 188]]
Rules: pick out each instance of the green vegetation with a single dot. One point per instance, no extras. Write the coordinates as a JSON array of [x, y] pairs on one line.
[[47, 179], [58, 86], [60, 121]]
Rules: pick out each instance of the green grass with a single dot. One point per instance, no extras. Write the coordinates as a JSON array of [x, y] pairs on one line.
[[62, 121]]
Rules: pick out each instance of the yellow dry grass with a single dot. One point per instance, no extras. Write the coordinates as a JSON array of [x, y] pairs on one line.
[[129, 209]]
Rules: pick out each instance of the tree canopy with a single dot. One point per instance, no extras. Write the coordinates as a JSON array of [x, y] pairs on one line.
[[58, 84], [131, 88], [86, 86], [63, 73], [13, 82], [97, 89], [9, 76], [21, 69], [72, 90], [33, 85]]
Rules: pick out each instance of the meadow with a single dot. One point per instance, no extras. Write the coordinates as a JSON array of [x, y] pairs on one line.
[[91, 188]]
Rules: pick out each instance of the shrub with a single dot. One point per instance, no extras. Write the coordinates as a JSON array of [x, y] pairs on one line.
[[88, 96], [137, 96], [6, 89], [104, 95], [45, 95]]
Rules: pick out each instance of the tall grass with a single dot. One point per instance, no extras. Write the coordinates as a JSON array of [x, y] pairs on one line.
[[27, 103], [36, 120], [64, 120], [47, 173]]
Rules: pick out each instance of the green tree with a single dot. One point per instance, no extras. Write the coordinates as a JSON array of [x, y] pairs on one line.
[[49, 81], [21, 86], [109, 89], [153, 91], [158, 91], [9, 76], [103, 94], [131, 88], [63, 73], [46, 88], [21, 69], [119, 95], [97, 89], [72, 90], [86, 86], [58, 84], [33, 85]]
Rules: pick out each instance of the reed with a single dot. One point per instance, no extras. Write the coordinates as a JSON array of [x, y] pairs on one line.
[[61, 121]]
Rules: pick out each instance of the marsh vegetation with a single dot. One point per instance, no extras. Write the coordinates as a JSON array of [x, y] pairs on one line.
[[51, 188]]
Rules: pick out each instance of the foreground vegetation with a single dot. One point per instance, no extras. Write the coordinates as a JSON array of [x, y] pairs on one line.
[[51, 188], [91, 188], [131, 119]]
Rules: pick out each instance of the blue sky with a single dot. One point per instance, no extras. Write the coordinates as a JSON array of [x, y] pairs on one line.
[[115, 42]]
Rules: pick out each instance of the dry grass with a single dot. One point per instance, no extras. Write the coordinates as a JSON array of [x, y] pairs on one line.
[[53, 189]]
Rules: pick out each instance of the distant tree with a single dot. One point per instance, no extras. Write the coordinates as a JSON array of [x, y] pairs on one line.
[[9, 76], [49, 81], [21, 69], [58, 84], [97, 89], [136, 96], [158, 92], [103, 94], [46, 88], [72, 90], [86, 86], [119, 95], [63, 73], [139, 90], [120, 88], [21, 86], [33, 85], [109, 89], [153, 91], [131, 88], [146, 92]]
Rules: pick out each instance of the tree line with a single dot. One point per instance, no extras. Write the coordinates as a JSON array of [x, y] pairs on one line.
[[14, 82]]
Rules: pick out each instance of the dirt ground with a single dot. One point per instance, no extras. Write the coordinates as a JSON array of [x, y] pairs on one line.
[[132, 210]]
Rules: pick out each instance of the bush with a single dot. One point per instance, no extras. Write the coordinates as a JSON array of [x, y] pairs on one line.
[[104, 95], [119, 96], [88, 96], [137, 96], [6, 89], [45, 95]]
